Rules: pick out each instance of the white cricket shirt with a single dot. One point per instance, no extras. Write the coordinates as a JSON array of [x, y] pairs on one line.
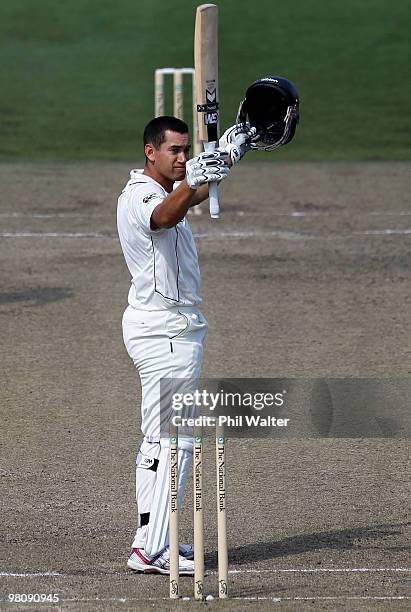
[[163, 263]]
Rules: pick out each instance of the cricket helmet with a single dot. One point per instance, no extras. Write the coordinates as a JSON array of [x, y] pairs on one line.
[[271, 105]]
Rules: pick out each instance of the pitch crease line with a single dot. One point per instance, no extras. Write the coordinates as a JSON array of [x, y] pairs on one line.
[[56, 235], [30, 574], [320, 570], [303, 570], [220, 236], [329, 598], [256, 598]]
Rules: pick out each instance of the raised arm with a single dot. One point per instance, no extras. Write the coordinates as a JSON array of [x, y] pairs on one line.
[[200, 171]]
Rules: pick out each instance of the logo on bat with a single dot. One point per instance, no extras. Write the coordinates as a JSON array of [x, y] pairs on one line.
[[211, 95], [208, 107], [210, 118]]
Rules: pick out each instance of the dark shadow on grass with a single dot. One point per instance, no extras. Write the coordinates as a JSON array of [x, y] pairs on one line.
[[344, 539], [36, 297]]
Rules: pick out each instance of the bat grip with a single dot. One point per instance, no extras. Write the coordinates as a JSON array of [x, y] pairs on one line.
[[214, 203], [212, 188]]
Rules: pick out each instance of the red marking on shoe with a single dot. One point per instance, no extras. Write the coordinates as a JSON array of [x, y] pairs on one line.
[[142, 557]]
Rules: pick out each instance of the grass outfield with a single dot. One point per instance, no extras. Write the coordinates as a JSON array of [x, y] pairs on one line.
[[76, 78]]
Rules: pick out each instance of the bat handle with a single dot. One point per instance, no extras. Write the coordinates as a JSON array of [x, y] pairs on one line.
[[214, 203], [212, 188]]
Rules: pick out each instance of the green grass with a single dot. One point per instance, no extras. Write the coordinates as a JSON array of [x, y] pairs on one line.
[[76, 77]]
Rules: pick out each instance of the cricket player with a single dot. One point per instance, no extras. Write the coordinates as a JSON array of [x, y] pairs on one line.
[[163, 328]]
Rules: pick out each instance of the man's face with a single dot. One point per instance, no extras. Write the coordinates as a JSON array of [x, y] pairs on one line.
[[170, 158]]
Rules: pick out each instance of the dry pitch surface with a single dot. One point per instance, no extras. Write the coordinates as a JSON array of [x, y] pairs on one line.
[[305, 275]]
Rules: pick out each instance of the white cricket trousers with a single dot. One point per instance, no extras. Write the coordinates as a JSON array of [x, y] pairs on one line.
[[163, 345]]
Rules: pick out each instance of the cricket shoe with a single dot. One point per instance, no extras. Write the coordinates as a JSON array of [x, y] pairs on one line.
[[140, 562], [187, 551]]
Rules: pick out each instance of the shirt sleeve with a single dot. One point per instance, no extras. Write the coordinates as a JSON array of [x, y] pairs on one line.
[[145, 199]]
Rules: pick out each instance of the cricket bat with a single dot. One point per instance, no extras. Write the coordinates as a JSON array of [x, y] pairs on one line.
[[206, 85]]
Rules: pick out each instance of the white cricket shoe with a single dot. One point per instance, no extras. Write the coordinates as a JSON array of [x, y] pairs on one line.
[[139, 562]]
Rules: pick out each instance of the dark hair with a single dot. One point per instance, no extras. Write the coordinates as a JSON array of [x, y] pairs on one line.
[[154, 132]]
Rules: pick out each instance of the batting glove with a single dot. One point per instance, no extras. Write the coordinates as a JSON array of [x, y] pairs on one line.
[[237, 141], [206, 168]]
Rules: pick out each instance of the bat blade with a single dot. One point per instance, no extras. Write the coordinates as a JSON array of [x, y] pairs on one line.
[[206, 84]]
